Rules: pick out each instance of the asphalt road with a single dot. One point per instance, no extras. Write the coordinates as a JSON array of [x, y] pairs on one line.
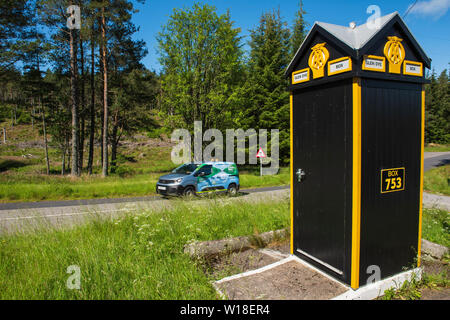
[[436, 159], [19, 216]]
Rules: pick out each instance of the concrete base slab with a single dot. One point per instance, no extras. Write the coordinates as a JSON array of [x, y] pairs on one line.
[[286, 279], [295, 279]]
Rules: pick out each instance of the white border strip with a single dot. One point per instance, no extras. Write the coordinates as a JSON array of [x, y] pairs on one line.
[[252, 272], [377, 289], [221, 294]]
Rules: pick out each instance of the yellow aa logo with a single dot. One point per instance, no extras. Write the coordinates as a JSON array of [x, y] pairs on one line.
[[318, 59], [395, 54]]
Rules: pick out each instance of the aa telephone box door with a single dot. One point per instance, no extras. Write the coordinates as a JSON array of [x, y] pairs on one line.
[[322, 118]]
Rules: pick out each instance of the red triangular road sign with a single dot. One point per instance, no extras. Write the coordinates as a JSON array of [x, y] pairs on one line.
[[261, 153]]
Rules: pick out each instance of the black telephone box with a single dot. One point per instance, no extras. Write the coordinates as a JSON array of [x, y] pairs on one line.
[[357, 134]]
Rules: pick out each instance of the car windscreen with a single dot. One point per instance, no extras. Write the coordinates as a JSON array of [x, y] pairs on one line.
[[186, 168], [205, 170]]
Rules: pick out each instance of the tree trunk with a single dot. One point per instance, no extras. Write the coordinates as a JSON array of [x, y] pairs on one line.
[[105, 98], [82, 138], [92, 107], [73, 86], [63, 167], [83, 110], [44, 128], [114, 149], [66, 152], [102, 119], [68, 159]]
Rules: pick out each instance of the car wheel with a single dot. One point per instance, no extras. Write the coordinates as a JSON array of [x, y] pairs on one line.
[[232, 190], [189, 192]]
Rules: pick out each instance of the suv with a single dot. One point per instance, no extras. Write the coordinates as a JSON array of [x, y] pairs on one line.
[[192, 178]]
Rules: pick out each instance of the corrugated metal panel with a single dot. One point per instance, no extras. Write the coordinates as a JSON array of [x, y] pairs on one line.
[[391, 133]]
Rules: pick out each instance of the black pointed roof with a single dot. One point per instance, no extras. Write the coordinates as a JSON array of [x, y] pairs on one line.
[[358, 41]]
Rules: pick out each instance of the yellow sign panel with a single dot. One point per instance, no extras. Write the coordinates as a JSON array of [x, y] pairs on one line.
[[300, 76], [413, 68], [392, 180], [339, 66], [395, 54], [374, 63], [318, 59]]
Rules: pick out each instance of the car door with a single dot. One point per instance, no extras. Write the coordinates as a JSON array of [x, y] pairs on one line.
[[203, 175], [219, 178]]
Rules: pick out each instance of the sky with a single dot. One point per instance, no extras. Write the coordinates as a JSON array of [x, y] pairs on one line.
[[428, 20]]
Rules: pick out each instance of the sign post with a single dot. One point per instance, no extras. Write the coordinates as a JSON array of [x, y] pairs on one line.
[[260, 155]]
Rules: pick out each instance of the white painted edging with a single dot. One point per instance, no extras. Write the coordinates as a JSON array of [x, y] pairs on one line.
[[377, 289], [246, 274], [252, 272]]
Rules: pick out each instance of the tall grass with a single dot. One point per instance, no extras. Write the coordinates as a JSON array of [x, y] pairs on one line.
[[55, 188], [134, 257], [437, 180], [432, 147], [436, 226], [253, 179], [22, 187], [141, 256]]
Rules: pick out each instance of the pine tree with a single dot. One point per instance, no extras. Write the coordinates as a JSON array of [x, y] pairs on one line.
[[299, 29], [114, 18], [437, 109], [268, 103], [53, 14], [16, 32], [443, 107]]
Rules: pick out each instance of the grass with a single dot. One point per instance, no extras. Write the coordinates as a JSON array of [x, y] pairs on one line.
[[411, 290], [141, 256], [437, 180], [134, 257], [24, 187], [140, 163], [432, 147], [436, 226]]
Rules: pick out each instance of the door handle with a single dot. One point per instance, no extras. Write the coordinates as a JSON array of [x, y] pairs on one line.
[[300, 175]]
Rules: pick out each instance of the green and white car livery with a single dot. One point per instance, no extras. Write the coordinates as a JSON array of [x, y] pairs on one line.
[[192, 178]]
